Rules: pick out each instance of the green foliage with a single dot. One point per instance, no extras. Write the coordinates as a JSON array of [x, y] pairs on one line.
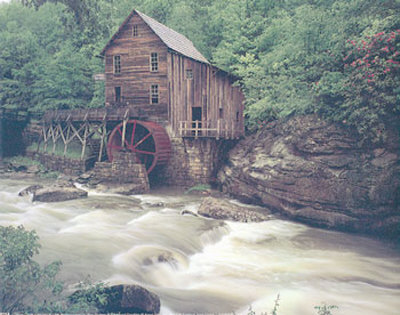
[[24, 285], [276, 305], [199, 187], [43, 64], [20, 160], [289, 55], [88, 297], [74, 150], [24, 161], [325, 309]]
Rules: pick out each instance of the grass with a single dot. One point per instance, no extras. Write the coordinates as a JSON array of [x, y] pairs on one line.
[[74, 150]]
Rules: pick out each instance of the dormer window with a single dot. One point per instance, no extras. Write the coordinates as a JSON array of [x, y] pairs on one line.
[[135, 32], [117, 64], [189, 74], [154, 62]]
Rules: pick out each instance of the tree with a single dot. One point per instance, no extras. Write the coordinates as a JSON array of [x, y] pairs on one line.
[[24, 285]]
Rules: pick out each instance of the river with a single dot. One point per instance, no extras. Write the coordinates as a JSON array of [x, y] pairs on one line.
[[198, 265]]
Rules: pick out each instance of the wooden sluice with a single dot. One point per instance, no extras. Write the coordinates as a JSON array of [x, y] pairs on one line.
[[150, 143], [81, 125]]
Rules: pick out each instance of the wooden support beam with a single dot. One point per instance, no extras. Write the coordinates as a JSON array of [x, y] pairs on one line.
[[53, 138], [103, 136], [84, 142]]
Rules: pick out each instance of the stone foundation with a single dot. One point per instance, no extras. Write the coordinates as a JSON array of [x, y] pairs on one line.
[[61, 164], [123, 170], [195, 161]]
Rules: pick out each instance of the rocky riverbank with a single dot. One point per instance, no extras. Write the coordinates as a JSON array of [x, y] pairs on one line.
[[319, 173]]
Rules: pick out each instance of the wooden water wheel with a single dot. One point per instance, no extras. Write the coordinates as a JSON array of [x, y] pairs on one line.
[[147, 140]]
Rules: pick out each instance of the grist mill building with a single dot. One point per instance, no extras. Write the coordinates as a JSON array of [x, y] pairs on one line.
[[164, 102]]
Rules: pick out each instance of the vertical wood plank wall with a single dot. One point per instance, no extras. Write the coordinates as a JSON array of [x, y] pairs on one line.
[[210, 89], [136, 78]]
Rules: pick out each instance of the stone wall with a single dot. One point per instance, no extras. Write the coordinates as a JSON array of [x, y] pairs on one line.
[[195, 161], [61, 164], [123, 170]]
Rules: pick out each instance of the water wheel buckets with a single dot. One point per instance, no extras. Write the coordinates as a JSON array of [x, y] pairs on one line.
[[148, 141]]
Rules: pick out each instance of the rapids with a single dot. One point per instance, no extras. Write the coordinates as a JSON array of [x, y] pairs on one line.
[[198, 265]]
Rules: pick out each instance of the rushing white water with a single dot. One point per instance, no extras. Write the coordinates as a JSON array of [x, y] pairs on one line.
[[197, 265]]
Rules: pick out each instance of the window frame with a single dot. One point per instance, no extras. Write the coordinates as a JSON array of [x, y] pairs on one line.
[[154, 62], [154, 94], [189, 74], [117, 64], [135, 30]]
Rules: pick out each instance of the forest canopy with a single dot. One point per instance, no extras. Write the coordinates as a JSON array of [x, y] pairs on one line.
[[337, 58]]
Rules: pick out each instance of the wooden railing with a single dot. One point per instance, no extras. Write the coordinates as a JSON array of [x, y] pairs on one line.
[[227, 129]]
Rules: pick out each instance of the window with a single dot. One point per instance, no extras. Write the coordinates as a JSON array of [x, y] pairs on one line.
[[154, 62], [135, 32], [117, 94], [189, 74], [117, 64], [154, 94], [237, 116], [221, 113]]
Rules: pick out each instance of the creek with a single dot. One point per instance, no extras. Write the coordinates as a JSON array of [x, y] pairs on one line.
[[199, 265]]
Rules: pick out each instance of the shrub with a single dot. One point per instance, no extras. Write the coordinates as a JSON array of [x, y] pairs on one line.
[[24, 284], [199, 187], [26, 287]]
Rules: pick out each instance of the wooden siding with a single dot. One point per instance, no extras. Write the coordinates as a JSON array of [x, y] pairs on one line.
[[136, 78], [210, 89]]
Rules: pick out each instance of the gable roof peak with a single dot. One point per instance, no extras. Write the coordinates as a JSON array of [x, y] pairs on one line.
[[172, 39]]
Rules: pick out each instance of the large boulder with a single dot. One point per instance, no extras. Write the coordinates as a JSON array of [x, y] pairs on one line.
[[319, 173], [58, 193], [131, 299], [222, 209], [30, 190]]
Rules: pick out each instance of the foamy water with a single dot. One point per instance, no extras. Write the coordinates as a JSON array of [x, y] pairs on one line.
[[198, 265]]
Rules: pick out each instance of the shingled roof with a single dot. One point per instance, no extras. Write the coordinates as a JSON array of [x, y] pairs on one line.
[[172, 39]]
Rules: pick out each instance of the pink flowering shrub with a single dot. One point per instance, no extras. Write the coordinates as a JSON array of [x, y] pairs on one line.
[[364, 91], [372, 85]]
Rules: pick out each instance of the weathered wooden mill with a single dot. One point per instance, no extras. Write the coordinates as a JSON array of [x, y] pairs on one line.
[[164, 102]]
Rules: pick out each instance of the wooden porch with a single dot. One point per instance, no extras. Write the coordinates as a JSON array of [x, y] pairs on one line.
[[222, 128]]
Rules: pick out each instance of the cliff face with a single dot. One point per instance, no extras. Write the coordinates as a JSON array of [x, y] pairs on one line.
[[316, 172]]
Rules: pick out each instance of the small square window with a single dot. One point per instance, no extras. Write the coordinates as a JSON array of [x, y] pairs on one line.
[[154, 94], [135, 31], [117, 64], [189, 74], [154, 62]]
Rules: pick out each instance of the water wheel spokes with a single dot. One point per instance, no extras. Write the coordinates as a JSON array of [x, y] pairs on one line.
[[147, 140]]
